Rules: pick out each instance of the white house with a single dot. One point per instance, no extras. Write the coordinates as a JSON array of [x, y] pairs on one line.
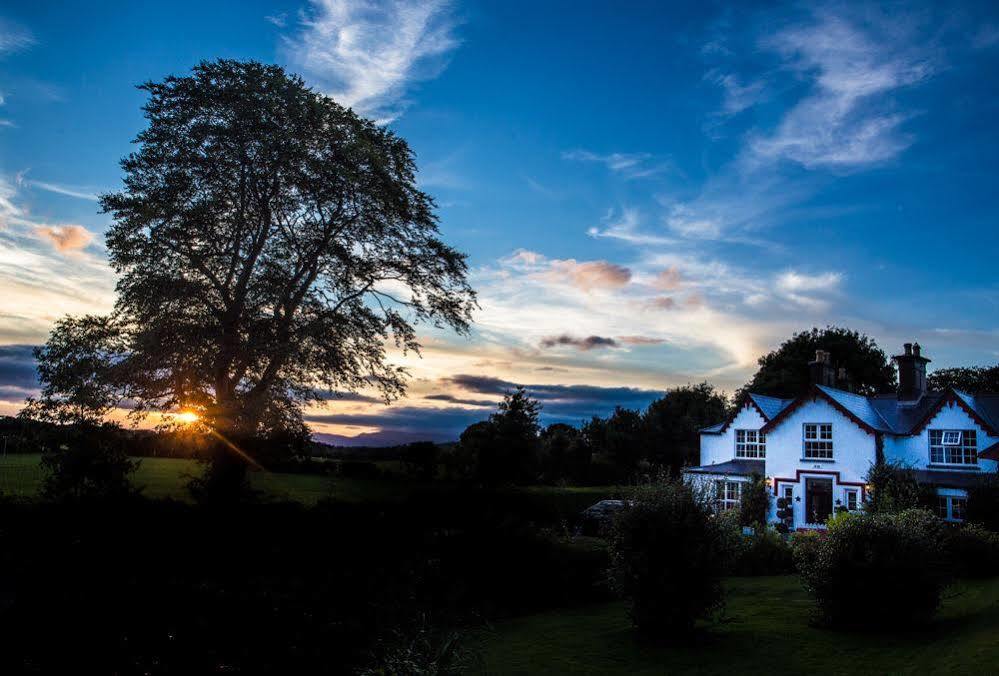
[[817, 449]]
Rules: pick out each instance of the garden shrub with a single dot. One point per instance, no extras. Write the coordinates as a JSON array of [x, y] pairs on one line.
[[754, 503], [894, 488], [983, 501], [765, 552], [876, 570], [972, 551], [90, 465], [668, 555]]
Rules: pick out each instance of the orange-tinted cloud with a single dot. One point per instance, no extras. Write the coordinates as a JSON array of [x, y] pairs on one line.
[[591, 274], [668, 279], [663, 303], [640, 340], [65, 238]]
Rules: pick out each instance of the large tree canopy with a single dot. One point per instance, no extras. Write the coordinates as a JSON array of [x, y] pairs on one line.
[[784, 372], [974, 379], [270, 246]]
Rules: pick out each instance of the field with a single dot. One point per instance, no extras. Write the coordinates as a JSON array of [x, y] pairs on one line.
[[22, 476], [765, 628]]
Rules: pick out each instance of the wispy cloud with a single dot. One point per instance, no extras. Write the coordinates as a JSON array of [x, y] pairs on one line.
[[801, 288], [367, 54], [738, 95], [628, 165], [78, 192], [625, 225], [279, 20], [13, 37], [845, 121]]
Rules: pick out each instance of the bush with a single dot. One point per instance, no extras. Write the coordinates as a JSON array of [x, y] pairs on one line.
[[972, 551], [668, 554], [90, 465], [983, 501], [765, 552], [894, 488], [754, 503], [877, 570]]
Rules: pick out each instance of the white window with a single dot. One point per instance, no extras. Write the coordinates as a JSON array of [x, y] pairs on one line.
[[952, 507], [852, 499], [818, 441], [953, 447], [750, 444], [727, 494], [951, 438], [789, 492]]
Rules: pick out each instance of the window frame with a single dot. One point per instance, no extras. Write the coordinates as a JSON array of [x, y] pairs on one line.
[[723, 501], [819, 446], [854, 495], [750, 450], [946, 507], [941, 453]]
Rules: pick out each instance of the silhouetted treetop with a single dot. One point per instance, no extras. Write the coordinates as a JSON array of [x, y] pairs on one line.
[[784, 372]]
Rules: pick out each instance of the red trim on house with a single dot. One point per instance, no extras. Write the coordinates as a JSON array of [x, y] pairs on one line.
[[799, 472], [814, 393], [990, 453], [951, 398]]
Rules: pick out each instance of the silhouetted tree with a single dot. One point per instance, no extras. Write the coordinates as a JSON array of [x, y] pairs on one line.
[[512, 457], [565, 454], [420, 458], [784, 372], [86, 458], [619, 440], [973, 379], [270, 244], [671, 424]]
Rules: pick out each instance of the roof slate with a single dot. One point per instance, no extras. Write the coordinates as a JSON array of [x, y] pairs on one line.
[[739, 466], [770, 406]]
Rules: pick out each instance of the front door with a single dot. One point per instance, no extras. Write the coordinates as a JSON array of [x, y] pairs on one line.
[[818, 500]]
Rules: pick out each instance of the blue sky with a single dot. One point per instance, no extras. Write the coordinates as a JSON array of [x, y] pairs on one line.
[[649, 195]]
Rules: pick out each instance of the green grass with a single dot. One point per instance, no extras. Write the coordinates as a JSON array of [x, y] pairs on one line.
[[765, 630], [22, 476]]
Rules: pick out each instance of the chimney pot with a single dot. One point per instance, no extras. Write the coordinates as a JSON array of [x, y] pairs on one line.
[[916, 349], [908, 348]]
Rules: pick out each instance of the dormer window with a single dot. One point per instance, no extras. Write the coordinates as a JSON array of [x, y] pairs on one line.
[[953, 447], [818, 441], [750, 444]]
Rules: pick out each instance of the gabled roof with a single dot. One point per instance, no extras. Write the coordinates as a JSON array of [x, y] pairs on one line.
[[884, 414], [858, 405], [767, 407]]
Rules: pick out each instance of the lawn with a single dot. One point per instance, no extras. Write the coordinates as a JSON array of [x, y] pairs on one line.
[[22, 476], [765, 629]]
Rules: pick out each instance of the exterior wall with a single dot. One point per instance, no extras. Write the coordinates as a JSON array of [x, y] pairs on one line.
[[717, 448], [854, 451], [914, 451]]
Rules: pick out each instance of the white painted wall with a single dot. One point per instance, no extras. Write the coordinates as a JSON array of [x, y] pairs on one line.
[[717, 448], [914, 451], [854, 450]]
